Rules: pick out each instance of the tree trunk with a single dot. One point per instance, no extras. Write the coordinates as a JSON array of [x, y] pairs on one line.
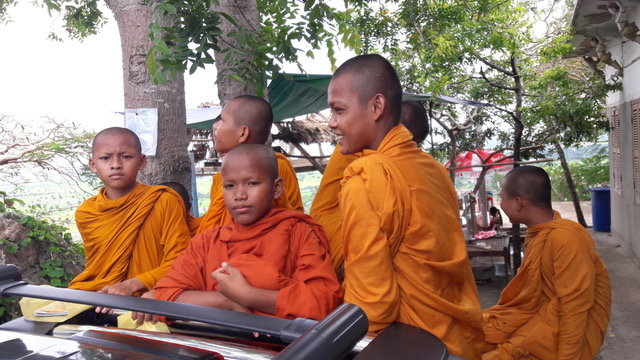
[[245, 13], [171, 162], [570, 184], [452, 156], [517, 144]]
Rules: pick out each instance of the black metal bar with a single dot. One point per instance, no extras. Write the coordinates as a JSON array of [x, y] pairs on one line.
[[286, 330]]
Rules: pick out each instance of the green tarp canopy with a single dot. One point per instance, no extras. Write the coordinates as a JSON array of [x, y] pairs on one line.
[[292, 95]]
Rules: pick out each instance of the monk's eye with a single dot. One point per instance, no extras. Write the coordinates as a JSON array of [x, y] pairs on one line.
[[104, 158], [253, 183], [228, 186]]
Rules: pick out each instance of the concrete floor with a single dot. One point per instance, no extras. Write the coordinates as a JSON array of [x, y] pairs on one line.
[[622, 340]]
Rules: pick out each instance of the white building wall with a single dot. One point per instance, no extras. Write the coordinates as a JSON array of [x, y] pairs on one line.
[[625, 212]]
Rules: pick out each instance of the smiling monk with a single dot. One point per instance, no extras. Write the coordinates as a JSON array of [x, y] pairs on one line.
[[405, 256], [131, 232]]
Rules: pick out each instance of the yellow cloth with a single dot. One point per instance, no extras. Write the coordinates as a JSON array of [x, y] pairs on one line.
[[325, 208], [67, 310], [138, 235], [126, 322], [405, 254], [558, 305], [218, 214]]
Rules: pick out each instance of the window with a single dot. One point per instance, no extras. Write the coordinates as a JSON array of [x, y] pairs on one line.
[[635, 121], [615, 150]]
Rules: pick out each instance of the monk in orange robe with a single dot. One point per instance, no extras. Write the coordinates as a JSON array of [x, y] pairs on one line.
[[325, 208], [405, 257], [247, 119], [266, 260], [131, 232], [558, 305]]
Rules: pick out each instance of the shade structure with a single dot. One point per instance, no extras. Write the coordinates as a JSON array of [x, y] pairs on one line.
[[479, 157]]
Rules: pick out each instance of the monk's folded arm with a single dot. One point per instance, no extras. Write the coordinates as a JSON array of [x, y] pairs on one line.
[[370, 281], [187, 272], [262, 300], [175, 237], [204, 298], [574, 281]]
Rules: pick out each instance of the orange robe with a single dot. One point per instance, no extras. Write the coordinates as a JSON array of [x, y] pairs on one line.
[[138, 235], [325, 208], [558, 305], [405, 254], [286, 251], [218, 214]]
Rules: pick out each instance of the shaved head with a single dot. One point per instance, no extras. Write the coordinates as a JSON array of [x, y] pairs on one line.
[[255, 113], [258, 153], [414, 117], [531, 183], [370, 75], [118, 131]]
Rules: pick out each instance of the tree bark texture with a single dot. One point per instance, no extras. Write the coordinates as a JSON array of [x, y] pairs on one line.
[[245, 13], [171, 162], [570, 184]]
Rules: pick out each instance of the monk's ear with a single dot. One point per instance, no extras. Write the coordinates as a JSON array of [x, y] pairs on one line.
[[92, 166], [143, 162], [278, 187], [378, 103], [244, 134]]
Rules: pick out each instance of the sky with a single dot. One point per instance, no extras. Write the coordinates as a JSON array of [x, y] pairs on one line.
[[80, 81]]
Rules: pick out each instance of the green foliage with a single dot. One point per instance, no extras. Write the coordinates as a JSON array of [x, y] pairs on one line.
[[81, 17], [587, 173], [180, 24], [186, 33], [54, 241]]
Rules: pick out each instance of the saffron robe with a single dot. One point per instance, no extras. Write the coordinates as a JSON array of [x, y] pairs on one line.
[[558, 305], [286, 251], [218, 214], [325, 208], [137, 235], [405, 254]]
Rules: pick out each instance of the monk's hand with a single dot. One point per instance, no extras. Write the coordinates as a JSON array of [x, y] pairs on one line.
[[125, 288], [139, 317], [231, 283]]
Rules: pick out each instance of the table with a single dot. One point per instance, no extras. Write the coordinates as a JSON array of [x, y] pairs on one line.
[[497, 245]]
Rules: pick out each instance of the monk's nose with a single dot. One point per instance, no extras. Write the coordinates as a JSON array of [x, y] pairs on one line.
[[240, 195], [333, 123]]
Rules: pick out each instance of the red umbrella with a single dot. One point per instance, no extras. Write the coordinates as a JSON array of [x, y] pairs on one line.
[[478, 157]]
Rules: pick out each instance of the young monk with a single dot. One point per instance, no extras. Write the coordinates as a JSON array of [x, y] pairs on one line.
[[558, 305], [266, 260], [405, 256], [247, 119], [131, 232], [325, 207]]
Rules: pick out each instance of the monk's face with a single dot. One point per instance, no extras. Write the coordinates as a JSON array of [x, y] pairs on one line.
[[226, 132], [247, 188], [116, 160], [351, 120]]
